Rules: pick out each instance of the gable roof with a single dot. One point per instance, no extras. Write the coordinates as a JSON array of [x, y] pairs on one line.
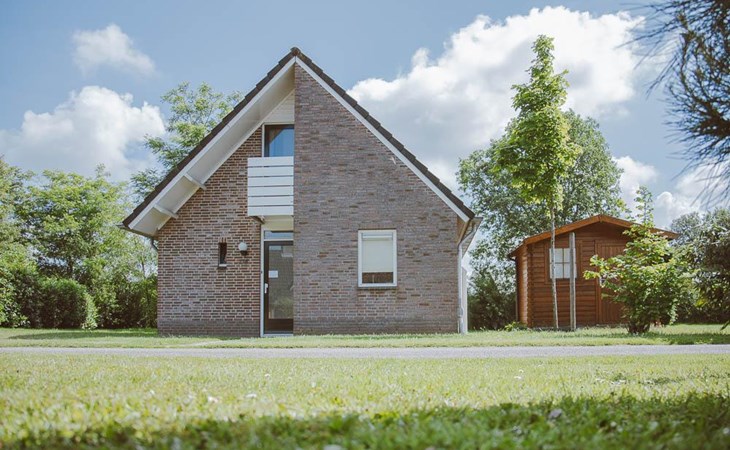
[[599, 218], [295, 56]]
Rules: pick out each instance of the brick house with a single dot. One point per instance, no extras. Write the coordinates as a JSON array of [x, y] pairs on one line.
[[299, 213]]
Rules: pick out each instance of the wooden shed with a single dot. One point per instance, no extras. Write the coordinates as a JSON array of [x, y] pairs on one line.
[[598, 235]]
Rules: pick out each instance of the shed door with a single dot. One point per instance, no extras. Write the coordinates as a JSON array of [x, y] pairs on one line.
[[609, 312]]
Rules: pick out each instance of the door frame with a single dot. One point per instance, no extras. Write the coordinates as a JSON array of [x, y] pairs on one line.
[[286, 325], [263, 265]]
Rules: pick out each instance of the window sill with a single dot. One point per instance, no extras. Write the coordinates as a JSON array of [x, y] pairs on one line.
[[377, 286], [222, 266]]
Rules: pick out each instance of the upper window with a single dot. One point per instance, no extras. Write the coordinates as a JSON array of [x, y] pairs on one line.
[[562, 263], [279, 140], [377, 257]]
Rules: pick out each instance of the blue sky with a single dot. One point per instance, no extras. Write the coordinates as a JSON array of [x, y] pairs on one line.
[[81, 80]]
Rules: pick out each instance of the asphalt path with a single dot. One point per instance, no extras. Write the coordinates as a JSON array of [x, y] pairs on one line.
[[384, 353]]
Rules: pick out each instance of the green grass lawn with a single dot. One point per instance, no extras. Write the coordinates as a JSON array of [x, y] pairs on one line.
[[594, 402], [674, 334]]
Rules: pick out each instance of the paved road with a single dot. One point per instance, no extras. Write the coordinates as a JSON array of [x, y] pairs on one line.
[[405, 353]]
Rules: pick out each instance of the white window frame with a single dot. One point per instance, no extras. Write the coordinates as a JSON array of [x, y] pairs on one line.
[[394, 235], [565, 264], [263, 134]]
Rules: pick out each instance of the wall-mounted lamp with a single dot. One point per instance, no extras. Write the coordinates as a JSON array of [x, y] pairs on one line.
[[243, 248]]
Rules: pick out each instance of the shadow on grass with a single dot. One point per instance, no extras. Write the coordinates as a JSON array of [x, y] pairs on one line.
[[689, 338], [87, 334], [694, 421]]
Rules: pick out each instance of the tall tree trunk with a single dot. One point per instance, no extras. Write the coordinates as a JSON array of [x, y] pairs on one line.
[[553, 281]]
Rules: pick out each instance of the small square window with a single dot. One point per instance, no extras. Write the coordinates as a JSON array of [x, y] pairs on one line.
[[562, 264], [377, 258], [278, 140]]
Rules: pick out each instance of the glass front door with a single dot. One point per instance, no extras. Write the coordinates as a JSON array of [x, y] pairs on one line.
[[278, 287]]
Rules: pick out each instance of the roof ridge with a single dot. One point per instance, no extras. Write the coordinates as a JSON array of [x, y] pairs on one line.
[[295, 52]]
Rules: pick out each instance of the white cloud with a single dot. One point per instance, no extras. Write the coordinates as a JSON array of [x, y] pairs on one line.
[[635, 174], [685, 197], [94, 126], [445, 107], [694, 191], [109, 46]]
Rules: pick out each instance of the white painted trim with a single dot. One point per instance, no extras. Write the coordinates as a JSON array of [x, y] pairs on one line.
[[382, 139], [166, 212], [274, 122], [261, 281], [472, 227], [394, 235], [213, 141], [271, 161], [261, 284], [194, 181], [162, 224], [460, 284], [263, 133], [261, 191]]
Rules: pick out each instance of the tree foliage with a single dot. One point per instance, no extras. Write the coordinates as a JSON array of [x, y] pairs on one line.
[[646, 278], [14, 256], [694, 37], [538, 153], [590, 187], [75, 255], [704, 244], [489, 307], [69, 221], [194, 113]]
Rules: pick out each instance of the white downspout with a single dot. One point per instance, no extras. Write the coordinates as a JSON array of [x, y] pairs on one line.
[[461, 249], [462, 309]]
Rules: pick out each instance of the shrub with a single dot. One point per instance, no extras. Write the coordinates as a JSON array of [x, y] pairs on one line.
[[66, 304], [646, 278], [10, 314], [27, 295], [704, 244], [489, 307], [136, 303], [515, 326]]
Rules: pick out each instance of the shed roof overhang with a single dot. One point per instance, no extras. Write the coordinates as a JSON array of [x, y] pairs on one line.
[[599, 218]]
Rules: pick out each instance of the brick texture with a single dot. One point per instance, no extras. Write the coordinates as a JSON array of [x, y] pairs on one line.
[[346, 180], [195, 296]]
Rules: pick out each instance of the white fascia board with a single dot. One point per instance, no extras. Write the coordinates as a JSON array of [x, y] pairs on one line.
[[468, 238], [197, 183], [212, 143], [383, 140]]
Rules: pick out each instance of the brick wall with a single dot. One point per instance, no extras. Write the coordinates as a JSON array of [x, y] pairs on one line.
[[346, 180], [195, 296]]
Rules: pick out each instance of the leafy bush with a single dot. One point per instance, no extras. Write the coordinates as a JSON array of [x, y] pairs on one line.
[[704, 244], [45, 302], [136, 303], [489, 307], [27, 296], [646, 278], [515, 326], [10, 314], [66, 304]]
